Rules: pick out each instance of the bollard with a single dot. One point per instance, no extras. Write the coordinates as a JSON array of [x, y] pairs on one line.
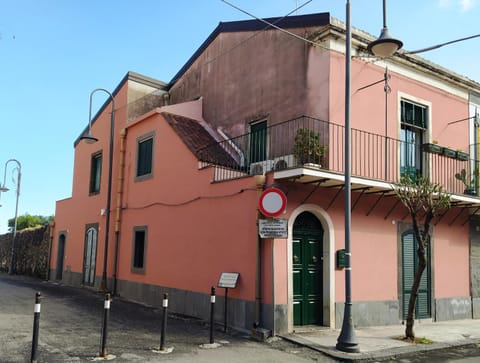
[[106, 314], [36, 326], [164, 322], [212, 311]]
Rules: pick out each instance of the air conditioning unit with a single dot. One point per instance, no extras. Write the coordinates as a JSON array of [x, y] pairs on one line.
[[261, 167]]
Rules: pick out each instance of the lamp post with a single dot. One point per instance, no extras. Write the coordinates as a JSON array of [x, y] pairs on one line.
[[4, 188], [89, 138], [385, 46]]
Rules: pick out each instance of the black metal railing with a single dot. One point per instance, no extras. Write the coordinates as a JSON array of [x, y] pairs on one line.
[[312, 143]]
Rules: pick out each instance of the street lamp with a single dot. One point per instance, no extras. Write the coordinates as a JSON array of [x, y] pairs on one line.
[[385, 45], [347, 341], [4, 188], [89, 139]]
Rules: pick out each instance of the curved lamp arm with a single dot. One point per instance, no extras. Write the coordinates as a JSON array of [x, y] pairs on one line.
[[89, 138]]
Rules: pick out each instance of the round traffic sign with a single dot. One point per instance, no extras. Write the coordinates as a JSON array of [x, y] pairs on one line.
[[272, 202]]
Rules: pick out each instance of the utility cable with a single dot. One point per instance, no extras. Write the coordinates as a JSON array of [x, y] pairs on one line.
[[192, 200], [275, 26]]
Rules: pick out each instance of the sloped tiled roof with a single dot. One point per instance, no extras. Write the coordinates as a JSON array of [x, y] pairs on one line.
[[200, 142]]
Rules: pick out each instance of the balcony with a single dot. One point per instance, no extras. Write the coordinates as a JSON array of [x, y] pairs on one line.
[[309, 150]]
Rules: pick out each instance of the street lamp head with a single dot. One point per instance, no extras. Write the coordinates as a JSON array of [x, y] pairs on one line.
[[385, 45], [89, 138], [4, 189]]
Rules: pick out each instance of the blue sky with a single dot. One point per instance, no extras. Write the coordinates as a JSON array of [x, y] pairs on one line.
[[53, 53]]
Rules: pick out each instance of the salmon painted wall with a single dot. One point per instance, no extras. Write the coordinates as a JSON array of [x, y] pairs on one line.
[[196, 229], [375, 247], [368, 105], [318, 84], [72, 215], [452, 262]]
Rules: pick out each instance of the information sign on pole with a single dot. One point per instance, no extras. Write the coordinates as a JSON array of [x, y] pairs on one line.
[[227, 280], [273, 228]]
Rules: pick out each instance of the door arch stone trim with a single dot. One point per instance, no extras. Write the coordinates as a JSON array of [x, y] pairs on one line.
[[328, 266]]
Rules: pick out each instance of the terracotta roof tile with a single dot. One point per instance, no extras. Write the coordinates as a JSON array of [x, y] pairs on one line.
[[200, 142]]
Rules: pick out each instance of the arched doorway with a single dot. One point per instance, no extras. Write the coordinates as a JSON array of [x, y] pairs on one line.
[[90, 256], [307, 270]]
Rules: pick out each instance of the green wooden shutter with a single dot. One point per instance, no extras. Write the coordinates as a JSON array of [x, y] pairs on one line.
[[409, 267], [258, 142]]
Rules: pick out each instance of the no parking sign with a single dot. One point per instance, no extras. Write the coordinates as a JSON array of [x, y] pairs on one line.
[[272, 202]]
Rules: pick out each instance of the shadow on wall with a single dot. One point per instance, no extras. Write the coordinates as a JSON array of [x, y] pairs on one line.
[[31, 251]]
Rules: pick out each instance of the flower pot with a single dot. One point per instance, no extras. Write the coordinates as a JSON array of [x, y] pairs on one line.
[[449, 153], [432, 148], [462, 156]]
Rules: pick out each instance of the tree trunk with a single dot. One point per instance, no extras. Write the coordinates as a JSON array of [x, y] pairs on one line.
[[422, 263]]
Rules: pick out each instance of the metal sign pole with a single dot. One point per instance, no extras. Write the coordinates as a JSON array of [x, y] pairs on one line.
[[225, 311]]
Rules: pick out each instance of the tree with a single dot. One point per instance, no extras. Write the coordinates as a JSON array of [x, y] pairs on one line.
[[424, 200], [28, 221]]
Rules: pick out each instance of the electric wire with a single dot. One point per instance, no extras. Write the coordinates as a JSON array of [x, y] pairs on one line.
[[189, 201], [276, 27], [252, 36]]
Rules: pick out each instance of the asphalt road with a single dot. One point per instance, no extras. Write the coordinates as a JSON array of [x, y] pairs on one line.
[[71, 322]]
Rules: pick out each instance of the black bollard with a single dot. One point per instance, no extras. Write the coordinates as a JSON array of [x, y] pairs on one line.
[[106, 314], [212, 312], [164, 322], [36, 327]]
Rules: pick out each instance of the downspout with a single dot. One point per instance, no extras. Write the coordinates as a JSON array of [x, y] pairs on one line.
[[118, 209], [260, 184], [258, 280], [273, 288]]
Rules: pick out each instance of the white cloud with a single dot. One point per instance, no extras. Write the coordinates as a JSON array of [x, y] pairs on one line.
[[444, 3], [463, 5], [467, 5]]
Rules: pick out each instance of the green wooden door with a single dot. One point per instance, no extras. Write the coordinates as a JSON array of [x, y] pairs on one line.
[[307, 270], [409, 267]]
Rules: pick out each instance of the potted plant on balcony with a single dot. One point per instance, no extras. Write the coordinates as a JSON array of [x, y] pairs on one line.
[[449, 153], [469, 183], [307, 147], [433, 147], [461, 155]]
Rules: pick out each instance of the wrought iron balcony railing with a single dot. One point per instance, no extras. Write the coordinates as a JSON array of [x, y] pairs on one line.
[[312, 143]]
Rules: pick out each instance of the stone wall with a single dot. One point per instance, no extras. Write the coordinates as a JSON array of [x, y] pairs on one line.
[[31, 250]]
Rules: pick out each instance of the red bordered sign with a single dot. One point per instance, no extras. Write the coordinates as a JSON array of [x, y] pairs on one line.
[[272, 202]]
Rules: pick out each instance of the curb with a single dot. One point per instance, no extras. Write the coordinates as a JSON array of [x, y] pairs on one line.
[[383, 354]]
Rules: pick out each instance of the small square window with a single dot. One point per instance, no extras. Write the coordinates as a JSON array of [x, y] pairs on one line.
[[95, 173], [139, 249], [144, 157]]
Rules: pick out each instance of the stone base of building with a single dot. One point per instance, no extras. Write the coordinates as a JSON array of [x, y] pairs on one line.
[[453, 308], [369, 313]]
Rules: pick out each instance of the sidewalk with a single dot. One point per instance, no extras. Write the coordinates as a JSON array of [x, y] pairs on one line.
[[384, 341]]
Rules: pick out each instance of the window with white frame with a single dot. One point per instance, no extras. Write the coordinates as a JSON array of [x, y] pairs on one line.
[[414, 124]]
